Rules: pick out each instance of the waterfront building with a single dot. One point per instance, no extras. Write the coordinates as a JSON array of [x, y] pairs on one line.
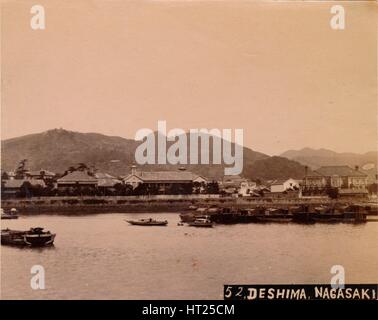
[[230, 184], [77, 180], [163, 181], [11, 187], [346, 180], [282, 185]]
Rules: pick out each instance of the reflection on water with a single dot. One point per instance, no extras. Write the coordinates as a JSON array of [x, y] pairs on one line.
[[103, 257]]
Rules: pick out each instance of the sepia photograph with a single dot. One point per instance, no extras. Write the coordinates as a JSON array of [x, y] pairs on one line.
[[181, 150]]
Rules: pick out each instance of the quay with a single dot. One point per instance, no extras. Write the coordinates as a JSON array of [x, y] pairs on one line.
[[158, 203]]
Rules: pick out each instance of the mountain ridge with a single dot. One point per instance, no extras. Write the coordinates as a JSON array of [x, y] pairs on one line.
[[315, 158], [58, 149]]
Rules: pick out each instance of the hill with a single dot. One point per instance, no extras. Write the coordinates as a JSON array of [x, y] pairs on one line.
[[315, 158], [58, 149]]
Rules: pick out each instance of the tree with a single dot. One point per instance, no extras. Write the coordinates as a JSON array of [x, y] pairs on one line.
[[37, 190], [196, 187], [25, 190], [69, 170], [81, 167], [4, 176], [141, 190], [212, 188], [21, 169]]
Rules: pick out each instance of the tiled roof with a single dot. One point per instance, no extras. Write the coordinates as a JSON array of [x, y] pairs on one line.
[[101, 175], [343, 171], [278, 182], [314, 174], [106, 180], [77, 176], [14, 183], [165, 176], [232, 181], [17, 183], [281, 181]]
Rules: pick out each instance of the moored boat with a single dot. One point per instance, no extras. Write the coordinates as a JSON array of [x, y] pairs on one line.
[[191, 216], [201, 222], [35, 237], [275, 218], [354, 214], [275, 215], [147, 222], [226, 216], [11, 215]]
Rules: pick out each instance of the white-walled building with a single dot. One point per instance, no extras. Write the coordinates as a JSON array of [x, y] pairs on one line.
[[162, 180], [282, 185]]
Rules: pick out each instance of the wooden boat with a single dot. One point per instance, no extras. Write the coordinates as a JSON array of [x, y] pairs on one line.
[[354, 214], [278, 218], [345, 214], [275, 215], [35, 237], [147, 222], [191, 216], [226, 215], [201, 222], [11, 215], [8, 216]]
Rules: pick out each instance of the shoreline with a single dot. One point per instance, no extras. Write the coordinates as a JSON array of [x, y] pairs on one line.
[[154, 204]]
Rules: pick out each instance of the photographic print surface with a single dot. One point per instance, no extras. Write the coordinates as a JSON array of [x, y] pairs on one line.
[[173, 149]]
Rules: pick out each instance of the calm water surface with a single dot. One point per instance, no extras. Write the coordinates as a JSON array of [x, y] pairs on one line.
[[103, 257]]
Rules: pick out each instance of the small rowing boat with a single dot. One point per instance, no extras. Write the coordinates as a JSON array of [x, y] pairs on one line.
[[201, 222], [147, 222]]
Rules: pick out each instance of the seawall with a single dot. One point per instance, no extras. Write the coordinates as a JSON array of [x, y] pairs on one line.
[[159, 203]]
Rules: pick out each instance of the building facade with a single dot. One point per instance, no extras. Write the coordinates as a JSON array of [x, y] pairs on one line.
[[77, 180], [346, 180], [163, 181], [282, 185]]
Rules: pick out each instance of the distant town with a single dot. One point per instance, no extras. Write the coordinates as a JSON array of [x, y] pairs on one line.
[[334, 182]]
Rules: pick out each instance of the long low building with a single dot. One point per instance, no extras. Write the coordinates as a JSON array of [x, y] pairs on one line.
[[11, 187], [77, 179], [282, 185], [346, 180], [162, 180]]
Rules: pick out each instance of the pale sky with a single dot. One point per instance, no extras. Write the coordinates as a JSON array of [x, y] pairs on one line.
[[275, 69]]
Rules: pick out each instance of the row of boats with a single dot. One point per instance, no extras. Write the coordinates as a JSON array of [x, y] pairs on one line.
[[37, 237], [207, 217], [203, 222], [297, 214]]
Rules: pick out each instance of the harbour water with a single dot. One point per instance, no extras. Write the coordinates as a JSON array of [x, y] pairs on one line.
[[100, 256]]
